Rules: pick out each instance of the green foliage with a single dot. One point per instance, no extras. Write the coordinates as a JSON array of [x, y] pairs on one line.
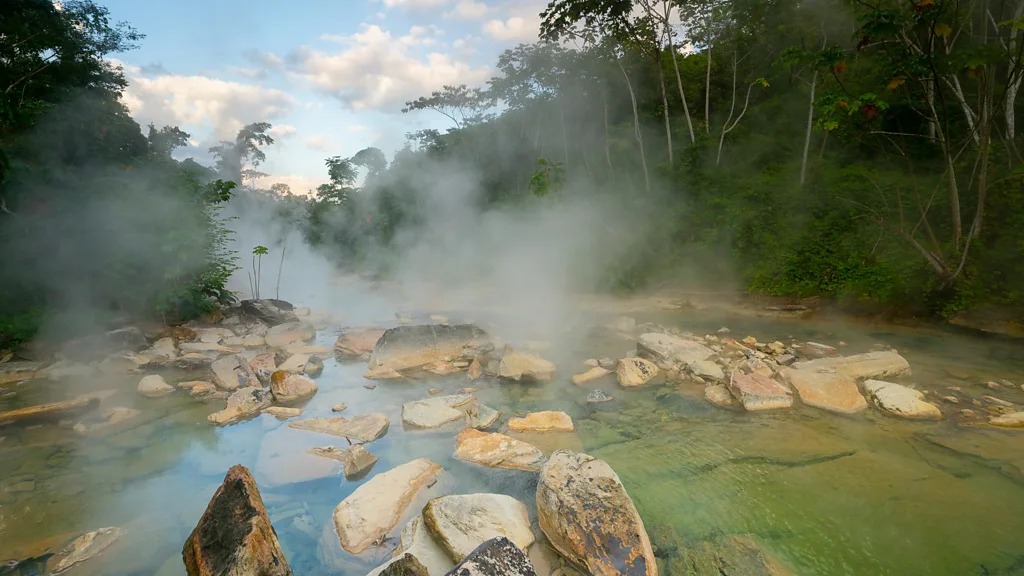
[[549, 177]]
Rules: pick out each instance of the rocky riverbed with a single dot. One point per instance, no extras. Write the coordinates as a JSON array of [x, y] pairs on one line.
[[722, 444]]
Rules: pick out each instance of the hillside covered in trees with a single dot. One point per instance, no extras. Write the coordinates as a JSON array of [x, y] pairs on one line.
[[862, 151]]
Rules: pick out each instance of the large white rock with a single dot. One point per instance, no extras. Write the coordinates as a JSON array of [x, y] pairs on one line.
[[154, 386], [376, 507], [900, 400], [460, 523], [665, 347], [437, 411], [826, 390]]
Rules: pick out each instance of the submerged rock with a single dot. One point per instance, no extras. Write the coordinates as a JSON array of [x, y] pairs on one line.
[[356, 460], [547, 421], [12, 372], [718, 395], [364, 428], [759, 392], [242, 403], [900, 400], [234, 536], [826, 390], [51, 412], [154, 386], [437, 411], [592, 374], [109, 418], [375, 508], [413, 347], [496, 557], [461, 523], [598, 396], [83, 548], [635, 371], [589, 518], [727, 556], [288, 387], [497, 451], [517, 365], [233, 372], [282, 412]]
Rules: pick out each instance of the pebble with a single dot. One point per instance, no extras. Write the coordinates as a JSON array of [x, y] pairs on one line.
[[435, 391], [339, 407], [369, 385], [598, 396]]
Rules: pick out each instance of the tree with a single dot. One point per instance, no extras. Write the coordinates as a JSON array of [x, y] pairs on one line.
[[234, 158], [460, 104]]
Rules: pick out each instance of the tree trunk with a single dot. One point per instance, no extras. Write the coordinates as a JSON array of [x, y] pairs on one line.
[[675, 66], [810, 124], [607, 139], [668, 120], [636, 128], [707, 76]]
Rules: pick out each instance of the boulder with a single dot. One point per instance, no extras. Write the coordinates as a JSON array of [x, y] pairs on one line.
[[592, 374], [899, 400], [706, 369], [83, 548], [357, 342], [635, 371], [870, 365], [314, 367], [154, 386], [233, 372], [282, 335], [437, 411], [522, 366], [481, 417], [288, 387], [826, 390], [415, 541], [673, 349], [234, 536], [589, 518], [242, 403], [51, 412], [270, 311], [263, 365], [295, 363], [282, 412], [546, 421], [364, 428], [496, 557], [356, 459], [375, 508], [1012, 420], [718, 395], [460, 523], [406, 348], [405, 565], [759, 392], [497, 451]]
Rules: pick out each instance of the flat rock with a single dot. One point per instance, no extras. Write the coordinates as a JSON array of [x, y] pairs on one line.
[[283, 412], [289, 387], [233, 372], [672, 349], [357, 342], [364, 428], [106, 419], [826, 390], [759, 392], [282, 461], [234, 536], [51, 412], [517, 365], [496, 557], [461, 523], [899, 400], [83, 548], [482, 417], [497, 451], [295, 363], [870, 365], [282, 335], [437, 411], [706, 369], [356, 459], [589, 518], [154, 386], [375, 508], [546, 421], [597, 396], [635, 371], [718, 395], [241, 404], [405, 348], [592, 374]]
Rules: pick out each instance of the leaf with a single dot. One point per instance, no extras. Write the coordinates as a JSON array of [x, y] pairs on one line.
[[895, 83], [942, 30]]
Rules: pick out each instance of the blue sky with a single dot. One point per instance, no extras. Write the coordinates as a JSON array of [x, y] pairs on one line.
[[331, 76]]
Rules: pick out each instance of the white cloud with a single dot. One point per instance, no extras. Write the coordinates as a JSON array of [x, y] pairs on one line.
[[518, 28], [282, 130], [468, 10], [376, 70], [357, 128], [300, 185], [316, 142], [415, 4]]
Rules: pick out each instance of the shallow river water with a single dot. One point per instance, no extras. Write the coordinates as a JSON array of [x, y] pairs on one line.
[[822, 493]]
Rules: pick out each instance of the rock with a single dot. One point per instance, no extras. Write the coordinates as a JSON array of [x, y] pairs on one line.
[[310, 349], [728, 556], [339, 407], [14, 372], [437, 411], [406, 348], [547, 421], [496, 557], [206, 348], [1014, 420], [295, 363], [154, 386], [665, 347], [253, 341], [375, 508], [202, 389], [109, 418], [635, 371], [51, 412], [356, 459], [481, 417], [592, 374], [718, 395], [369, 385], [233, 372], [291, 333], [826, 390], [288, 387], [813, 350], [272, 312], [899, 400], [997, 401], [591, 363], [364, 428], [282, 412], [314, 367], [442, 368], [404, 565], [460, 523], [785, 359], [623, 324], [194, 361], [475, 371], [607, 363], [870, 365], [415, 541], [234, 536], [598, 396], [212, 335], [706, 369], [83, 548], [759, 392], [99, 345], [242, 403], [497, 451], [522, 366], [263, 365], [589, 518]]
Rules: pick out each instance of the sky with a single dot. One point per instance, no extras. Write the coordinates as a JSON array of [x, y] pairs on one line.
[[331, 75]]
